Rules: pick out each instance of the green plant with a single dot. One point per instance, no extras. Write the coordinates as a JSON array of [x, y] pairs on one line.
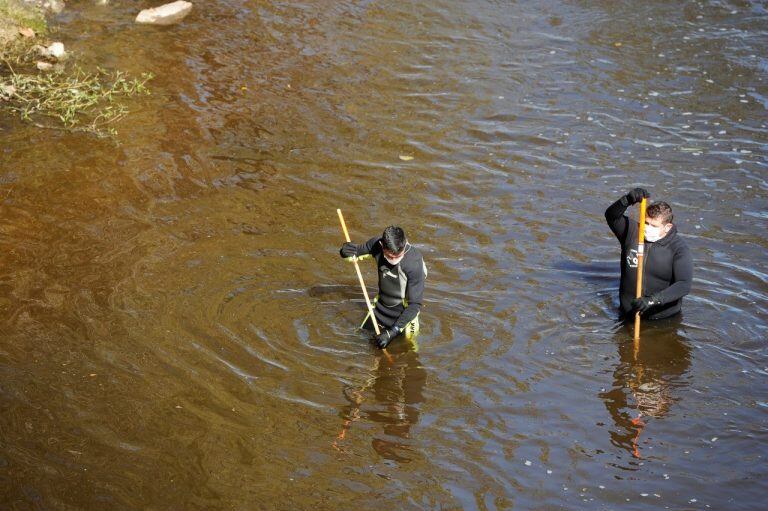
[[75, 101]]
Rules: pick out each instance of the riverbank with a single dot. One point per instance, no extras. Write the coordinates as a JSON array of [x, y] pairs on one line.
[[17, 19]]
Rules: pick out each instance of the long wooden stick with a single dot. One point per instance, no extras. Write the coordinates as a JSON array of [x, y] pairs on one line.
[[640, 255], [359, 275]]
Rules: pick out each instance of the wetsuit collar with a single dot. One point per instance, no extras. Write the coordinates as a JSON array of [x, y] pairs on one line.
[[668, 238]]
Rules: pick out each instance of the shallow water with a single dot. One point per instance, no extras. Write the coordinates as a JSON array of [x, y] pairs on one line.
[[178, 331]]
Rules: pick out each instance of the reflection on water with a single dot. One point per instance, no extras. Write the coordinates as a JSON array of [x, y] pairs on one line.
[[391, 397], [646, 382]]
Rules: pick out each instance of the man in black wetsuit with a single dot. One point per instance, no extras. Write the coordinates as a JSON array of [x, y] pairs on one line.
[[401, 282], [667, 265]]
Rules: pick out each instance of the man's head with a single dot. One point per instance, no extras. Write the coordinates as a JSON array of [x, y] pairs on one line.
[[393, 243], [658, 221]]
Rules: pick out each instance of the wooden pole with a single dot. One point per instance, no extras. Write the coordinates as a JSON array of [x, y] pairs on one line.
[[362, 284], [640, 255], [359, 275]]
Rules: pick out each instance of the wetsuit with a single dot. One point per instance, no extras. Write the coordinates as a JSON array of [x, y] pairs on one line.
[[667, 265], [401, 286]]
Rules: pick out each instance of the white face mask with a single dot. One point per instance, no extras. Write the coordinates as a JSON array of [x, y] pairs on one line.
[[395, 260], [654, 233]]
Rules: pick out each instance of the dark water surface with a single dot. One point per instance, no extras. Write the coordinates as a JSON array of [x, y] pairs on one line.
[[178, 332]]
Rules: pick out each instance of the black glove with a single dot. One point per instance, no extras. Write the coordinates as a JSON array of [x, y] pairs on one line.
[[348, 250], [386, 336], [644, 303], [636, 195]]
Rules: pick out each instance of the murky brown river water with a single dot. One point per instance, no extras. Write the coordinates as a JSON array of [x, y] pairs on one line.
[[178, 332]]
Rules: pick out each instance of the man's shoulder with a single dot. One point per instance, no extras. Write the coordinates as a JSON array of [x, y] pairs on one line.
[[414, 249], [681, 246], [678, 245], [413, 259], [414, 253]]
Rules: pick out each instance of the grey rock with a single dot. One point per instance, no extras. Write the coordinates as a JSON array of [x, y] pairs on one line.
[[56, 50], [167, 14]]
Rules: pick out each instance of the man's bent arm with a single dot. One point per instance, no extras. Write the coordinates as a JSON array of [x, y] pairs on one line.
[[616, 219], [682, 266], [367, 247], [414, 294]]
